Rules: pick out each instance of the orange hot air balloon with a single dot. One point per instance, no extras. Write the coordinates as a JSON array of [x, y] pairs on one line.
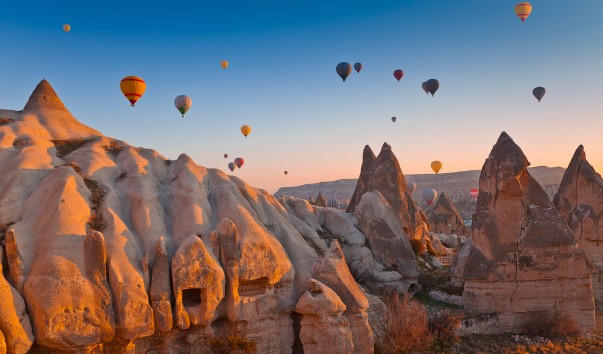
[[224, 64], [133, 88], [523, 10], [245, 130], [436, 166]]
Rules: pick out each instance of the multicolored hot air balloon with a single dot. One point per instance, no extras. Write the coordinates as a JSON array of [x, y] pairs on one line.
[[224, 64], [225, 156], [410, 186], [394, 119], [398, 74], [133, 88], [239, 162], [424, 86], [66, 27], [231, 166], [429, 195], [523, 10], [183, 103], [358, 67], [432, 86], [245, 130], [436, 166], [286, 172], [539, 92], [343, 70], [474, 193]]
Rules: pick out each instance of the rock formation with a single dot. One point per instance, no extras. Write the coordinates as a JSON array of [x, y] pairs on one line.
[[324, 329], [383, 174], [523, 259], [580, 203], [132, 251], [320, 200], [445, 219]]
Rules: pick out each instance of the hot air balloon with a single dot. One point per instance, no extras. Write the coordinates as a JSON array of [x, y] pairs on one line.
[[224, 64], [474, 193], [523, 10], [231, 166], [429, 195], [66, 27], [436, 166], [225, 156], [539, 92], [424, 86], [358, 67], [183, 103], [394, 119], [286, 173], [239, 162], [133, 88], [246, 130], [398, 74], [343, 70], [411, 187], [432, 86]]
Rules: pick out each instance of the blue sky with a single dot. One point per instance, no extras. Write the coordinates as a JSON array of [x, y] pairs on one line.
[[282, 81]]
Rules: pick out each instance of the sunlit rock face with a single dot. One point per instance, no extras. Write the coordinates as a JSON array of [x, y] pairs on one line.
[[445, 218], [111, 247], [580, 203], [523, 260]]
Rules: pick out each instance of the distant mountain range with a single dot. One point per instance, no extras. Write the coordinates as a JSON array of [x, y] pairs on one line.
[[455, 184]]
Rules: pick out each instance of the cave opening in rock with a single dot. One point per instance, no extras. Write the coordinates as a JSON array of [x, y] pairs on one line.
[[191, 297]]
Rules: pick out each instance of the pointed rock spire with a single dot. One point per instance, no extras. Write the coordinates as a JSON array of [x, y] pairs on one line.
[[44, 98], [445, 218], [320, 200], [366, 171]]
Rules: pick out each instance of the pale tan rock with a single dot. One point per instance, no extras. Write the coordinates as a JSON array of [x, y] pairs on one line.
[[333, 271], [445, 218], [323, 327], [161, 289], [14, 321], [580, 203], [198, 283], [523, 257]]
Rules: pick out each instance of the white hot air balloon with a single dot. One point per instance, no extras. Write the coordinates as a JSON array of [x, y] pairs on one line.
[[183, 103], [411, 186], [429, 195]]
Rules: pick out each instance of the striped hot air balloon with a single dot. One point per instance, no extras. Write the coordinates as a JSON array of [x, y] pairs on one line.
[[432, 86], [133, 88], [523, 10]]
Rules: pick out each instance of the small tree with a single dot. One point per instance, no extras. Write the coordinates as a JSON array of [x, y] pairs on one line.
[[444, 326]]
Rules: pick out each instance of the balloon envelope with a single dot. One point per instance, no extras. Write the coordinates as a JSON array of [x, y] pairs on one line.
[[225, 156], [523, 10], [432, 86], [539, 92], [183, 103], [133, 88], [343, 70], [474, 193], [358, 67], [239, 162], [224, 64], [436, 166], [398, 74], [411, 187], [424, 86], [286, 173], [66, 28], [394, 119], [429, 195], [245, 130], [231, 166]]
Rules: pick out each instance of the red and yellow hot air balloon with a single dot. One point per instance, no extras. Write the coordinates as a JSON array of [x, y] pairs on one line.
[[224, 64], [133, 88], [245, 130], [523, 10], [436, 166]]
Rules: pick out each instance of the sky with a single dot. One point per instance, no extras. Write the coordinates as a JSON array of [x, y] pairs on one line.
[[282, 81]]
